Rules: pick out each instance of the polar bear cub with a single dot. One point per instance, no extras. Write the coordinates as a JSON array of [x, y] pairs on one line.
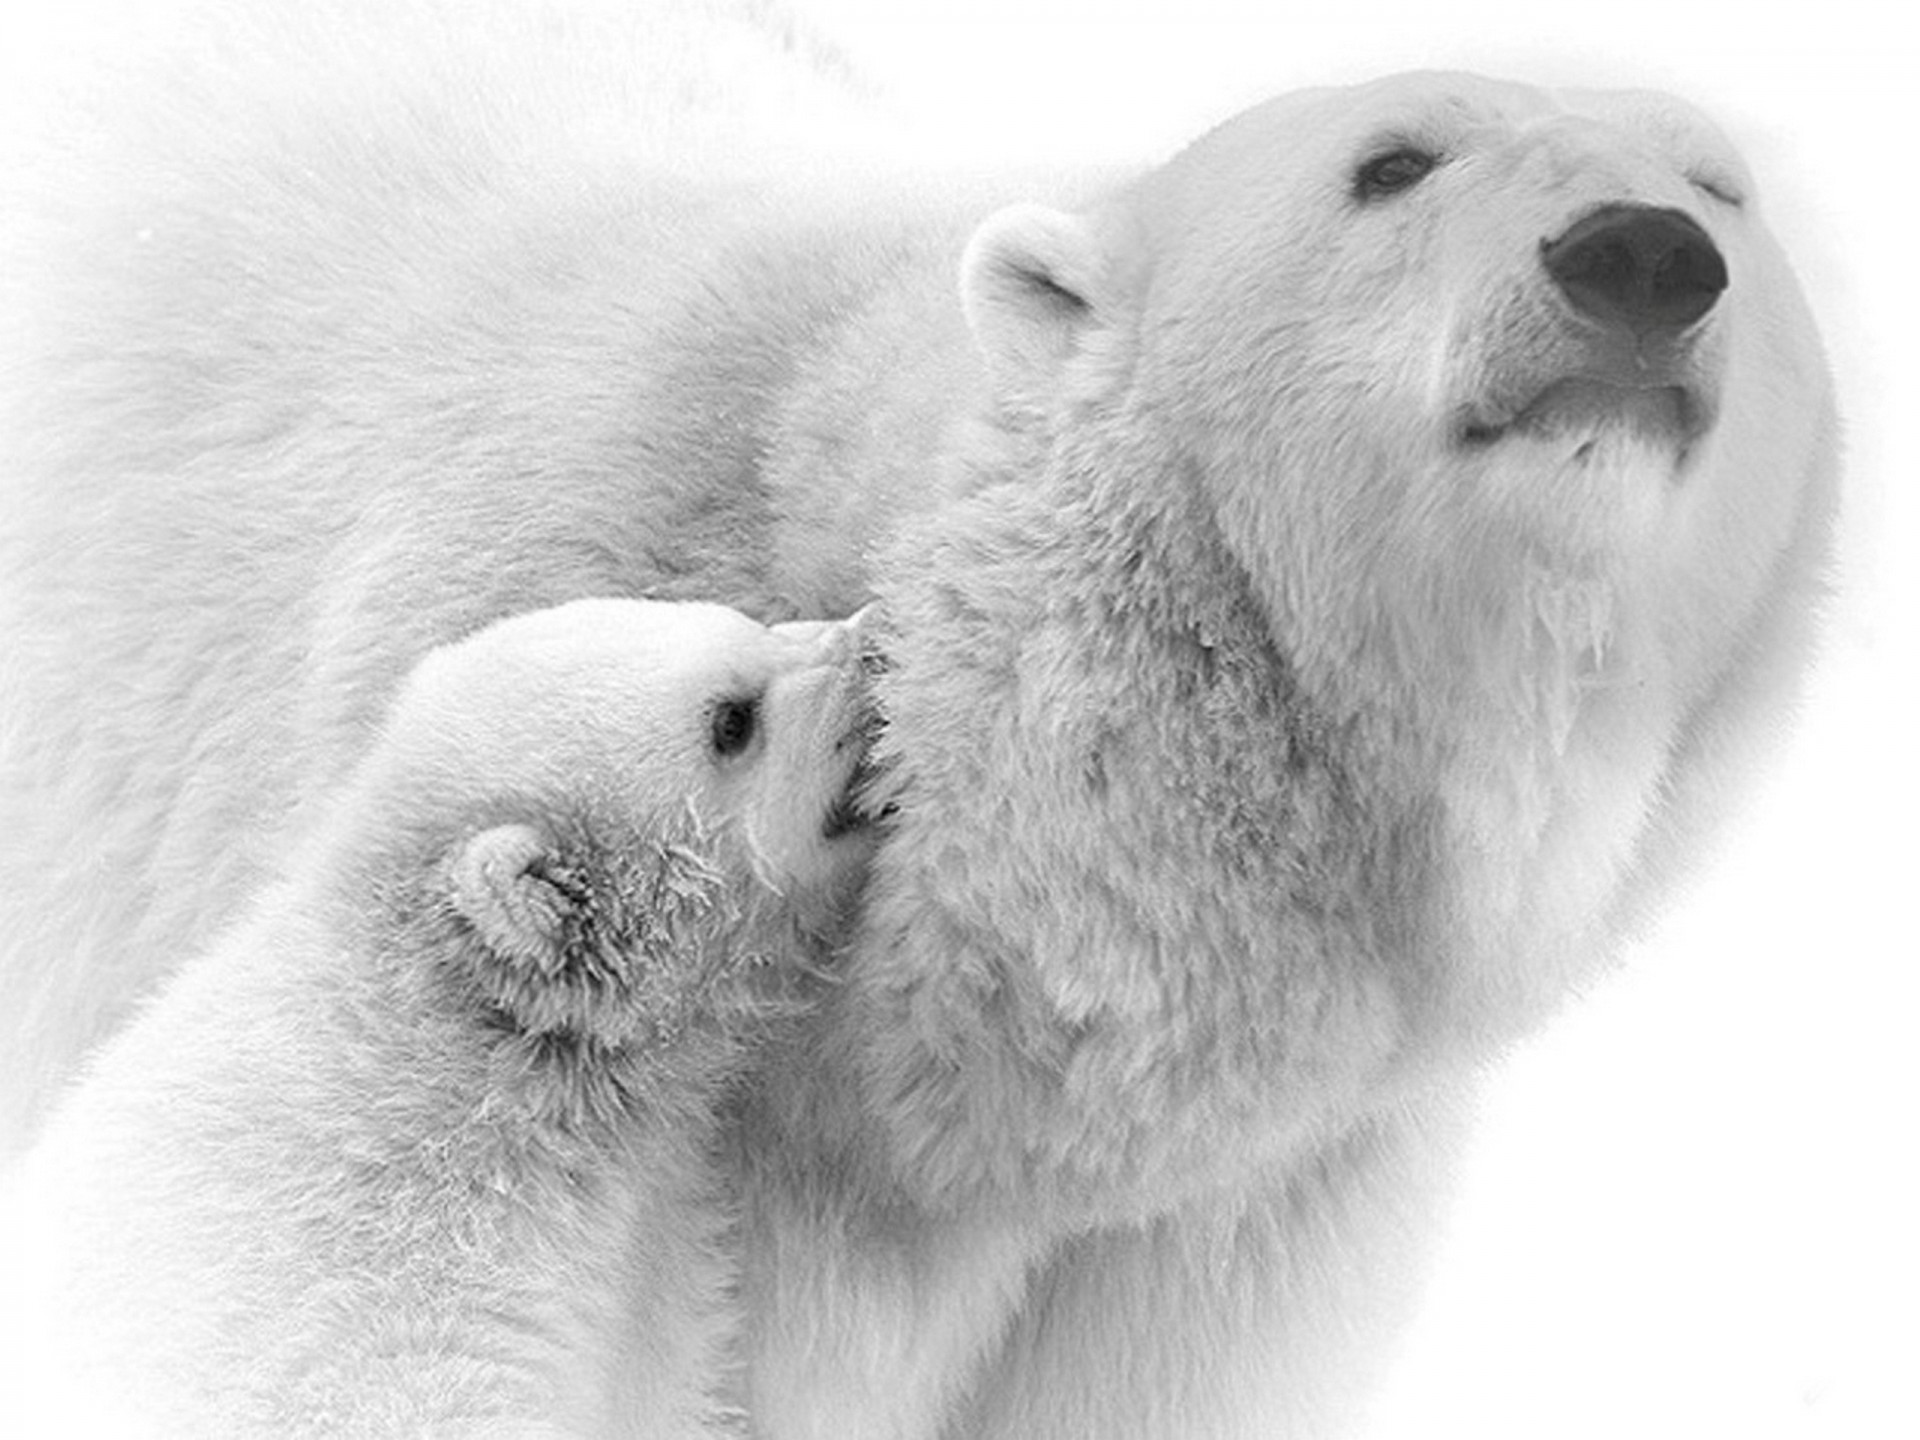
[[422, 1146]]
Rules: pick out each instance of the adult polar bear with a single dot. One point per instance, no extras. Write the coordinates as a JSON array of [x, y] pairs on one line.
[[1329, 581]]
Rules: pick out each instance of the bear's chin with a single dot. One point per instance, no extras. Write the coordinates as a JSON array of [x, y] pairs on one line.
[[1592, 466]]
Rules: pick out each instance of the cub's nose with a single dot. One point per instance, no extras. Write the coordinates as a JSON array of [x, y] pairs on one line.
[[1639, 266]]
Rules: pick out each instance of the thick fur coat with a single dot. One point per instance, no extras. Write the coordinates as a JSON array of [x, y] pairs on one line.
[[1313, 634], [428, 1142]]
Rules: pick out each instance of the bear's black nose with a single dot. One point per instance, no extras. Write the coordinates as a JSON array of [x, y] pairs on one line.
[[1637, 266]]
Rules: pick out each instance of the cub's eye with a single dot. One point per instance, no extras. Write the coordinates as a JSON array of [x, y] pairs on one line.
[[1392, 171], [733, 724]]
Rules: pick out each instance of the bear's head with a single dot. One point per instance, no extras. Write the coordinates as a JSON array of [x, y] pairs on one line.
[[1407, 483], [1434, 342]]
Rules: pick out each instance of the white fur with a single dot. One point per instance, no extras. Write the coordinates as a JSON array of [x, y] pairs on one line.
[[409, 1151], [1262, 758]]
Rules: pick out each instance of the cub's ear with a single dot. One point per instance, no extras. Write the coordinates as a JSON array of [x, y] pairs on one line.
[[1034, 286], [509, 885]]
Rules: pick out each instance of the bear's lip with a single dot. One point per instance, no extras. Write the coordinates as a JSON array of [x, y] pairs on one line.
[[1582, 383], [1584, 405], [848, 813], [843, 818], [860, 806], [843, 814]]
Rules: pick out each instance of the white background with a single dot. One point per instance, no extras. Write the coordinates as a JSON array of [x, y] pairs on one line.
[[1692, 1208]]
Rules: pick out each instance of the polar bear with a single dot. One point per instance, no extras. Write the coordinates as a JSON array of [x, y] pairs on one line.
[[1328, 584], [425, 1144], [1401, 516]]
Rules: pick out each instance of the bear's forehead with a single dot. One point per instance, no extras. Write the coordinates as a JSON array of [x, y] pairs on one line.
[[1442, 96], [1287, 166], [1444, 108], [672, 657]]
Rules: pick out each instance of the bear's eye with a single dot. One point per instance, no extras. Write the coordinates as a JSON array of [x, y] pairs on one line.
[[732, 725], [1718, 187], [1392, 171]]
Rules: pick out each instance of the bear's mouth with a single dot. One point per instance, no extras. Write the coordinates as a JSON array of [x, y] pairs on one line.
[[1575, 389], [860, 805], [1584, 407], [844, 817], [856, 808]]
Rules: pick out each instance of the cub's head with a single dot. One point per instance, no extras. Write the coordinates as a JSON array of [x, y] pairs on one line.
[[623, 806]]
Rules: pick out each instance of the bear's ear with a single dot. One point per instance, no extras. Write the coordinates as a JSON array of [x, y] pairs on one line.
[[509, 885], [1033, 286]]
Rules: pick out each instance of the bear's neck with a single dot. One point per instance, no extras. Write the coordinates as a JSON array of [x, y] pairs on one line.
[[1506, 716], [1185, 818], [1382, 864], [1520, 698]]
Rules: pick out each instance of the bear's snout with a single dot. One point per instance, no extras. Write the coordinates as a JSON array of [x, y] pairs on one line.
[[1640, 267]]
